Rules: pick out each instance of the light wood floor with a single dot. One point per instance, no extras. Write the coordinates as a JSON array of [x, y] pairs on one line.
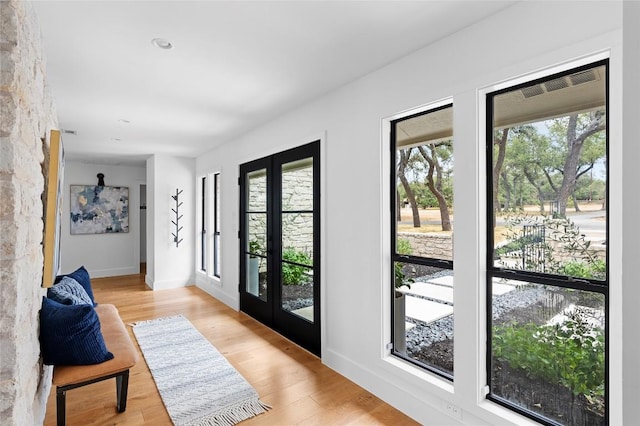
[[294, 382]]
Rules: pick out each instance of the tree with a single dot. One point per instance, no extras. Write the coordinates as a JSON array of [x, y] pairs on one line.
[[529, 153], [500, 143], [579, 128], [430, 154], [403, 160], [552, 162]]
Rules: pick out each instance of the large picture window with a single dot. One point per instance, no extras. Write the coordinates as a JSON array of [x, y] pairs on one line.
[[421, 240], [547, 273]]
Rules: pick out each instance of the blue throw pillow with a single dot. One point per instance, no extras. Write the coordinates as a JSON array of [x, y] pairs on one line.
[[82, 276], [70, 335], [69, 292]]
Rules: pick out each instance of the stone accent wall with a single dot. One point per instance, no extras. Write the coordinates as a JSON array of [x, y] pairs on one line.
[[439, 246], [26, 115], [297, 194]]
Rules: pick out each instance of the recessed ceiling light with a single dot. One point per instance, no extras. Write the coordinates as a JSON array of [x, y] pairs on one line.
[[162, 43], [115, 139], [124, 121]]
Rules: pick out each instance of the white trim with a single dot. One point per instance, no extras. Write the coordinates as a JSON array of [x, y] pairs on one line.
[[169, 284], [419, 109], [482, 93], [212, 222], [547, 71], [293, 143], [198, 224], [385, 238], [322, 137], [616, 235], [114, 272]]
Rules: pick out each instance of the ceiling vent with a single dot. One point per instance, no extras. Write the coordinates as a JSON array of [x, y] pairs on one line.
[[560, 83], [556, 84], [69, 132], [582, 77], [530, 91]]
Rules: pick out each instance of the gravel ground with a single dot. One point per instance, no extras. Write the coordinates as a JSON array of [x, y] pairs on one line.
[[422, 335], [426, 334], [433, 343], [297, 296]]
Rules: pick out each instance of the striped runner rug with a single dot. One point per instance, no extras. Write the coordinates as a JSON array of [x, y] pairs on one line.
[[197, 384]]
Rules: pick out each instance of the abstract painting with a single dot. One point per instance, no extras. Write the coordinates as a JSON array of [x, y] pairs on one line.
[[99, 209]]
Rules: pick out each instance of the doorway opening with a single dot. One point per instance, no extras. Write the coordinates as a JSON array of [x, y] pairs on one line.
[[280, 243]]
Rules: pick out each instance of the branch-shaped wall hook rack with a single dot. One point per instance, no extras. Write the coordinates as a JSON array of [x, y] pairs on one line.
[[178, 217]]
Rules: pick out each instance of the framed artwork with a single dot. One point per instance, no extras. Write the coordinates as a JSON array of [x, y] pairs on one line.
[[54, 168], [99, 209]]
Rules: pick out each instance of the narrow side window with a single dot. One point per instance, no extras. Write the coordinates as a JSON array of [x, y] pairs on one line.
[[203, 224], [421, 240], [216, 225]]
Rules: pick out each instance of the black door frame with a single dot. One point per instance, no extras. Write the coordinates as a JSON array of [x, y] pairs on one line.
[[270, 313]]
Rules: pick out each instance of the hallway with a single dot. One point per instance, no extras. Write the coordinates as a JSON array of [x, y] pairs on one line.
[[294, 382]]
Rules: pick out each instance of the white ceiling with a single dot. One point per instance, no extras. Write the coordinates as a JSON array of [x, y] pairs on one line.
[[234, 65]]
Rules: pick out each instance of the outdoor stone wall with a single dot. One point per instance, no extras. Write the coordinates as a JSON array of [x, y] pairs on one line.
[[436, 245], [297, 194], [26, 115]]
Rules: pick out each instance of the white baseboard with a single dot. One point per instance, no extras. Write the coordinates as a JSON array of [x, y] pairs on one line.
[[167, 284], [217, 293], [148, 280], [114, 272]]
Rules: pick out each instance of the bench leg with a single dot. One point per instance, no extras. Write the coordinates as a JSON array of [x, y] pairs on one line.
[[122, 386], [61, 397]]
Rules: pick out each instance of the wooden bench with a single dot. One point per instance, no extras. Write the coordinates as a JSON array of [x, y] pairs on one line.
[[118, 342]]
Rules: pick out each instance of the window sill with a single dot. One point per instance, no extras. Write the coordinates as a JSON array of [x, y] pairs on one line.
[[423, 375], [488, 407]]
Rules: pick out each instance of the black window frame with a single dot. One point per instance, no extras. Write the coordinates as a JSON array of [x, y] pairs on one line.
[[216, 225], [395, 256], [493, 271], [203, 224]]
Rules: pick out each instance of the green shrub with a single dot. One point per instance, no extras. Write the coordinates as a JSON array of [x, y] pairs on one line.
[[562, 240], [517, 245], [256, 247], [294, 274], [403, 246], [595, 269], [570, 353]]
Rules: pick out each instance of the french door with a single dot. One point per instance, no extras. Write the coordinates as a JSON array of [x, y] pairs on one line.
[[280, 243]]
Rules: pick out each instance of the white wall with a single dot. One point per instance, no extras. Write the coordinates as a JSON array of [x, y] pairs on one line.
[[355, 296], [169, 266], [228, 234], [151, 241], [103, 255], [631, 224]]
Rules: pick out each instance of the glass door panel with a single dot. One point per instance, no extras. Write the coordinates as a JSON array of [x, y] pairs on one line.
[[256, 294], [256, 222], [297, 185], [256, 281], [297, 284], [297, 232]]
